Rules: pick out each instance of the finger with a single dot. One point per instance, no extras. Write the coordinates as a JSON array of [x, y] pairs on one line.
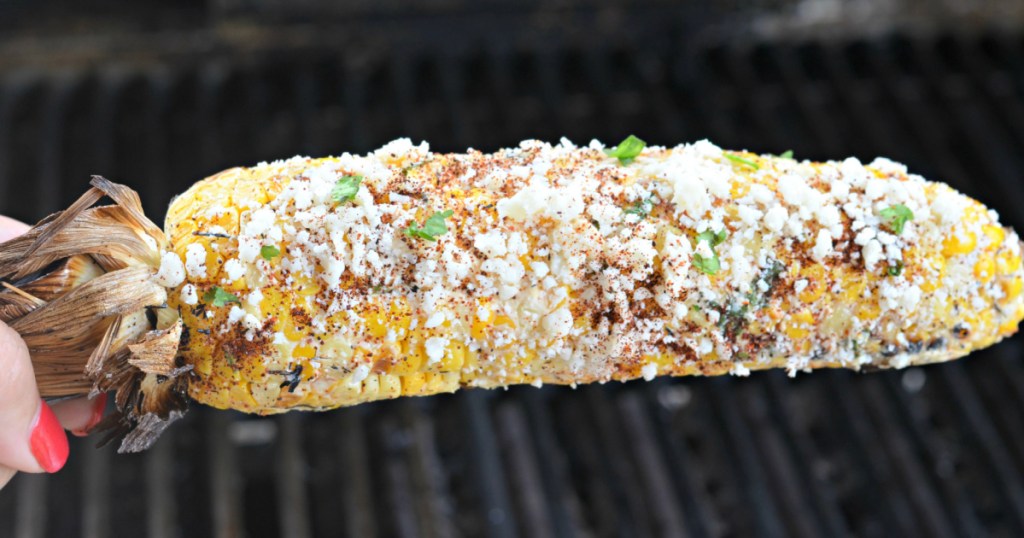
[[10, 228], [31, 437], [81, 414], [6, 474]]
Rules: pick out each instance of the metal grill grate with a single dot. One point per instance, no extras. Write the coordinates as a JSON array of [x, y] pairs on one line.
[[937, 452]]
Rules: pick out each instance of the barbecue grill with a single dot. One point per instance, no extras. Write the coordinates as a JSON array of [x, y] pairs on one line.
[[159, 97]]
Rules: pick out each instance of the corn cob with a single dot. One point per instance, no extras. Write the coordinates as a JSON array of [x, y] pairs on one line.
[[319, 283]]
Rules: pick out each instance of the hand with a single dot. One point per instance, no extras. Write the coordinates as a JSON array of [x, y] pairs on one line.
[[32, 437]]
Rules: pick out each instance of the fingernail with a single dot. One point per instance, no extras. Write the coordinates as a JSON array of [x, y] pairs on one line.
[[99, 405], [49, 443]]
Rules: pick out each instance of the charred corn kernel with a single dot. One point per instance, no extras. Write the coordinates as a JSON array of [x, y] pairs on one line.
[[959, 243], [407, 272]]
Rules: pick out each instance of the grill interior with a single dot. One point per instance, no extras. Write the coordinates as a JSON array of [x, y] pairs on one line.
[[936, 451]]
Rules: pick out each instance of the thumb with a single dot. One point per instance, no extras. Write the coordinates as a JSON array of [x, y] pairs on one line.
[[31, 437]]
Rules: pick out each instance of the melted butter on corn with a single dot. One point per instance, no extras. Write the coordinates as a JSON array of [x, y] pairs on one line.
[[549, 272]]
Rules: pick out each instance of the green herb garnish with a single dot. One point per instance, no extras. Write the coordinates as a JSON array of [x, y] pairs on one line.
[[895, 217], [627, 150], [218, 297], [736, 159], [270, 252], [709, 265], [346, 188], [433, 227], [896, 270], [788, 154], [642, 208]]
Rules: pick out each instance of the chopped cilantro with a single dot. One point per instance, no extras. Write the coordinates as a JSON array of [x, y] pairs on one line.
[[627, 150], [713, 239], [270, 252], [433, 227], [896, 217], [788, 154], [709, 265], [736, 159], [642, 208], [346, 188], [218, 297], [896, 270]]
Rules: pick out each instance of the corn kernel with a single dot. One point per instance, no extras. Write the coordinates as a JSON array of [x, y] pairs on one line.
[[985, 269], [957, 244], [799, 328], [304, 352], [456, 356], [413, 383], [995, 234], [1007, 262], [1011, 288]]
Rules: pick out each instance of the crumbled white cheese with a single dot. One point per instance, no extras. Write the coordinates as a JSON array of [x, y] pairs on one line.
[[435, 347], [172, 271], [189, 295], [195, 260]]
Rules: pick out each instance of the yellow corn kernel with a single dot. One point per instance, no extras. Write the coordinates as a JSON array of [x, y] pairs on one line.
[[957, 244], [304, 352], [985, 269], [800, 325], [868, 311], [1011, 288], [1007, 262], [995, 234], [454, 358], [413, 383], [414, 356], [933, 281], [815, 275], [292, 331]]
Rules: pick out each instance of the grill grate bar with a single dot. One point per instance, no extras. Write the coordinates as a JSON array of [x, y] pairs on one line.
[[356, 492], [668, 521], [563, 505], [433, 497], [96, 493], [780, 466], [627, 498], [290, 468], [820, 494], [31, 514], [871, 465], [749, 469], [224, 478], [906, 467], [486, 469], [680, 461], [974, 419], [161, 509], [524, 474]]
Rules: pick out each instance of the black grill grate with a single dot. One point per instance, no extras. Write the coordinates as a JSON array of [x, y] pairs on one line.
[[936, 451]]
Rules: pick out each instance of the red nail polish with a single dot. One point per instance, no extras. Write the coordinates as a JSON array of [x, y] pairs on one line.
[[99, 404], [49, 443]]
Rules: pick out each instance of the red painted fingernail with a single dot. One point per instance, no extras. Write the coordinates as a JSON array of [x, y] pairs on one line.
[[49, 443], [99, 405]]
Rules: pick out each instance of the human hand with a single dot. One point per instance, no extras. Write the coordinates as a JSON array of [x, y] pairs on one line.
[[32, 437]]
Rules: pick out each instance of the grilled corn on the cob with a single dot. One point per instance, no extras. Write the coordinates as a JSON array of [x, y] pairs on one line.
[[318, 283]]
